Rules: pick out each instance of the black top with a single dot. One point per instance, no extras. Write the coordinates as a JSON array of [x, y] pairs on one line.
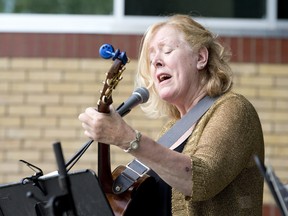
[[163, 191]]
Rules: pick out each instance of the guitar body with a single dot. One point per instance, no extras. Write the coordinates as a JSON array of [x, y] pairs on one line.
[[137, 199]]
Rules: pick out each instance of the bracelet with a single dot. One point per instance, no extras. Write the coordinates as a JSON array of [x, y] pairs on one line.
[[134, 144]]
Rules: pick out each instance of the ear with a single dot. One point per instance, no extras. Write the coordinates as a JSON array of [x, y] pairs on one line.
[[202, 58]]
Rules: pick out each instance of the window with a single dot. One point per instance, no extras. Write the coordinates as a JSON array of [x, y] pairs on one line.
[[282, 9], [226, 17], [207, 8], [57, 6]]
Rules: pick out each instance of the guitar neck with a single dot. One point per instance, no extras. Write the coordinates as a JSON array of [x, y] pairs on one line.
[[104, 162], [104, 167]]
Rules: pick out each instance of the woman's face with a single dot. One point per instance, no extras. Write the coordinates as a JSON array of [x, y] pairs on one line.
[[173, 64]]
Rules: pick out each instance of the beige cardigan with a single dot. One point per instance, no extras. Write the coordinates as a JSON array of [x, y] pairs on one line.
[[225, 178]]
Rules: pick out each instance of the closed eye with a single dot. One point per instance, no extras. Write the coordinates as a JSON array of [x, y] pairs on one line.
[[168, 52]]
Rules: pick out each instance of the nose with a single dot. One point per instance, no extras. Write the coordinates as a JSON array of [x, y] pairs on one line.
[[157, 62]]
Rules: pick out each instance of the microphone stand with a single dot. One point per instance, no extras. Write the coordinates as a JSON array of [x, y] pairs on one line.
[[78, 155], [58, 205]]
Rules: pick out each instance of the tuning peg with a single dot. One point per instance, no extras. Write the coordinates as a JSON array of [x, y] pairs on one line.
[[106, 51]]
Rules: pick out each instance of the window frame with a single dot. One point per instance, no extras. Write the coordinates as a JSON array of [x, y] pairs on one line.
[[118, 23]]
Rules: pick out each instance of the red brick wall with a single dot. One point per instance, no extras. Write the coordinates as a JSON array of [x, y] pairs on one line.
[[245, 49]]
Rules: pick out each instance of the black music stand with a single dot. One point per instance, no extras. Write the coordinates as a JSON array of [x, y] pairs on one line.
[[58, 194], [28, 200]]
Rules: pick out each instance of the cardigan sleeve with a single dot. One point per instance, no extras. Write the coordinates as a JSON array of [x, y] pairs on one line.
[[221, 145]]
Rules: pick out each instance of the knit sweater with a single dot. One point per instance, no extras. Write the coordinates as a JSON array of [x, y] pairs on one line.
[[225, 178]]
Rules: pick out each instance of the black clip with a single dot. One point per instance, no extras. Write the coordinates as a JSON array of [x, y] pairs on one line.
[[34, 178]]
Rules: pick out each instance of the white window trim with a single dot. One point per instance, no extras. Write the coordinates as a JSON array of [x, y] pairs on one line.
[[118, 23]]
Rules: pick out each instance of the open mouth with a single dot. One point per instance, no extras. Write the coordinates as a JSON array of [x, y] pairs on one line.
[[163, 77]]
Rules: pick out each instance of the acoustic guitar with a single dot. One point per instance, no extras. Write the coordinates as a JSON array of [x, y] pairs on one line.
[[137, 199]]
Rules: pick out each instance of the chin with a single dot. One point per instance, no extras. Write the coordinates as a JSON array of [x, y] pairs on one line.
[[166, 97]]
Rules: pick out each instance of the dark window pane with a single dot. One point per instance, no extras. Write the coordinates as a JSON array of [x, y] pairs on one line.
[[207, 8], [282, 9], [57, 6]]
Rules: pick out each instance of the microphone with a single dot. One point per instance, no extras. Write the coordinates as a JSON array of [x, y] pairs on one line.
[[139, 96]]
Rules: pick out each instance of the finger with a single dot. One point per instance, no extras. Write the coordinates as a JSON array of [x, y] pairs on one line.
[[85, 126], [91, 111], [86, 133], [82, 117]]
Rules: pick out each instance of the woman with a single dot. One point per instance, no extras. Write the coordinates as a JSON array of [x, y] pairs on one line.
[[212, 172]]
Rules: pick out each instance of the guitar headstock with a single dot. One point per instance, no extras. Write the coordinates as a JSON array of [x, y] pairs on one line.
[[113, 76]]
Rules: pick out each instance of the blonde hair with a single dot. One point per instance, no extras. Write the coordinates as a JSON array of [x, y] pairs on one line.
[[217, 76]]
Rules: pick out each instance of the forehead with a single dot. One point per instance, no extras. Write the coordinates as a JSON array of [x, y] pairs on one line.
[[166, 35]]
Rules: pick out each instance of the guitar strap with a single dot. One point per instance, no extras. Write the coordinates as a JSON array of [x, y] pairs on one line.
[[136, 169]]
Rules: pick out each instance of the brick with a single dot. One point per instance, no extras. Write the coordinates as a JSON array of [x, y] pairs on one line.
[[273, 69], [63, 87], [23, 133], [24, 110], [12, 178], [70, 122], [10, 167], [55, 63], [89, 64], [4, 63], [33, 63], [60, 110], [9, 121], [11, 144], [2, 110], [281, 128], [279, 162], [39, 121], [45, 75], [281, 104], [2, 156], [119, 157], [247, 92], [244, 69], [41, 144], [281, 81], [267, 127], [27, 87], [277, 139], [77, 99], [79, 76], [43, 98], [4, 87], [14, 75], [12, 99], [273, 116], [58, 133], [256, 81], [262, 104], [93, 88], [27, 155], [274, 93]]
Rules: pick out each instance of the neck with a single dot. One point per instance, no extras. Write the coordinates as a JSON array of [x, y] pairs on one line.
[[194, 101]]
